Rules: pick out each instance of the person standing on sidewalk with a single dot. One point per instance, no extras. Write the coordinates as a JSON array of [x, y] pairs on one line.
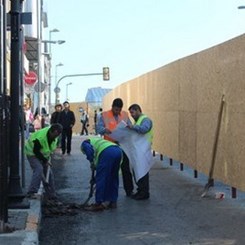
[[67, 120], [143, 126], [28, 120], [38, 150], [105, 157], [107, 123], [55, 117]]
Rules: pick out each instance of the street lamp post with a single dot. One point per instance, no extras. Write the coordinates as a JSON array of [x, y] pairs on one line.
[[49, 42], [54, 42], [50, 65], [56, 76], [50, 39], [68, 84]]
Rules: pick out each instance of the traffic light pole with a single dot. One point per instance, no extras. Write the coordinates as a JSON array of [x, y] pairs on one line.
[[105, 74]]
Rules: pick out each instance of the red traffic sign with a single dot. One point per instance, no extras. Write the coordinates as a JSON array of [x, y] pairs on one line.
[[30, 78]]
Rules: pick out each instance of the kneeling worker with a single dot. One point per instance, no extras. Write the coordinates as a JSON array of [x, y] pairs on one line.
[[106, 157]]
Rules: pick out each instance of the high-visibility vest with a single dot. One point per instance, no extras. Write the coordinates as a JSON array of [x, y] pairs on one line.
[[149, 134], [110, 121], [99, 145], [42, 136]]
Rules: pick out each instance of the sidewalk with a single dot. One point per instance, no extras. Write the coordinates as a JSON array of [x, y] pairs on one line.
[[26, 222]]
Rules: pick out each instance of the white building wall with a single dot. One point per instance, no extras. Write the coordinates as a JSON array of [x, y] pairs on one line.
[[31, 6]]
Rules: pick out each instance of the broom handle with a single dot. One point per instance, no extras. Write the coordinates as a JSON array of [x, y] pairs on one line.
[[211, 171]]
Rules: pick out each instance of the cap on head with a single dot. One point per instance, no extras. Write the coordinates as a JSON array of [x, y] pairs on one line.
[[56, 127], [66, 102]]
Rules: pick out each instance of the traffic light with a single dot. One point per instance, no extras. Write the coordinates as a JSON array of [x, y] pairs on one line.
[[106, 73]]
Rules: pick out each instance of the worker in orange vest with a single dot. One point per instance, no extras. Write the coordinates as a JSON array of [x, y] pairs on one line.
[[107, 123]]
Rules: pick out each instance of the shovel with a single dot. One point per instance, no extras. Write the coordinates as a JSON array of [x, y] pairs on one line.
[[45, 180], [92, 182]]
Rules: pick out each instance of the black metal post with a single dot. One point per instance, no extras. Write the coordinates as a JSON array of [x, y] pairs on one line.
[[15, 191], [170, 161], [3, 159], [181, 166], [195, 173], [233, 192], [22, 115]]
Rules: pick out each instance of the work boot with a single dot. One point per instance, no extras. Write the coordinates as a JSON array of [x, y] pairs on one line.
[[129, 193], [141, 196], [112, 205], [95, 207], [32, 195]]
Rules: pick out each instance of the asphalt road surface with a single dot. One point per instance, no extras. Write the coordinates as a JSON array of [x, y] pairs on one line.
[[174, 214]]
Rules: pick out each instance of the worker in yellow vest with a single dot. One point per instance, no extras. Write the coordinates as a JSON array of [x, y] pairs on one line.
[[105, 157], [107, 123], [38, 150], [143, 126]]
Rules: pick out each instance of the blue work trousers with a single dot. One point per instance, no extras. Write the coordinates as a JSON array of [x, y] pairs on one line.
[[107, 174]]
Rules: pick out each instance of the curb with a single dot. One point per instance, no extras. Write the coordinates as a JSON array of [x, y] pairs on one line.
[[33, 222]]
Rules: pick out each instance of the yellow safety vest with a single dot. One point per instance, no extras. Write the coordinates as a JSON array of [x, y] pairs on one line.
[[149, 134], [42, 136]]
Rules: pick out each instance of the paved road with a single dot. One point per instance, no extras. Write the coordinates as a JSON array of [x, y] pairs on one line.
[[175, 213]]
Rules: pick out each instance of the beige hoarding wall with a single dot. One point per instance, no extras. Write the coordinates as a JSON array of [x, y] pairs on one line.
[[184, 100]]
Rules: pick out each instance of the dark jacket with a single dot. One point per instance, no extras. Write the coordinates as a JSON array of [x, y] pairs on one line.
[[55, 117], [67, 119]]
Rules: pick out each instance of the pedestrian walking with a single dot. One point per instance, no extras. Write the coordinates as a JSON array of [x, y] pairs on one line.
[[105, 157], [85, 123], [95, 121], [37, 123], [38, 150], [98, 116], [28, 120], [67, 120], [107, 123], [143, 126]]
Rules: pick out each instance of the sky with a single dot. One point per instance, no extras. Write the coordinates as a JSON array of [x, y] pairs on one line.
[[132, 37]]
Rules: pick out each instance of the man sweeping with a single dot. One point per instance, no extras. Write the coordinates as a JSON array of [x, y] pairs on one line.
[[38, 150]]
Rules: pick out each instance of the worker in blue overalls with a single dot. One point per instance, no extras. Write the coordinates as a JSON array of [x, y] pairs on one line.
[[105, 157]]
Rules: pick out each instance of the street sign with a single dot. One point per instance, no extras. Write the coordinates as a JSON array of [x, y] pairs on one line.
[[30, 78], [42, 87], [57, 90]]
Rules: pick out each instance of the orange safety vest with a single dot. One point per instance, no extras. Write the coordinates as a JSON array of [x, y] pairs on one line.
[[110, 121]]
